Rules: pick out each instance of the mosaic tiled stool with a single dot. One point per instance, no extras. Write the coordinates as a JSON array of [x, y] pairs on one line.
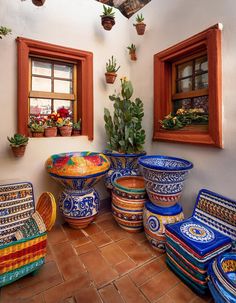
[[18, 220], [193, 243], [222, 278]]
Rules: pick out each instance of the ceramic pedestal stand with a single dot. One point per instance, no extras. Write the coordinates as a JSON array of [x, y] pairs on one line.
[[78, 172]]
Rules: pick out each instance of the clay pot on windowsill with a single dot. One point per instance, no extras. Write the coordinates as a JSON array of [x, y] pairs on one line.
[[110, 77], [107, 22], [65, 131], [140, 28], [76, 132], [50, 131], [37, 134], [38, 2]]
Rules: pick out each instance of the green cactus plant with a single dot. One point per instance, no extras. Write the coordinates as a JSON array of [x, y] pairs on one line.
[[111, 65], [139, 18], [4, 31], [108, 18]]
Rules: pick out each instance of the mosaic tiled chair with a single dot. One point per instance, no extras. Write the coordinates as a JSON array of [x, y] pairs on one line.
[[22, 230], [194, 242]]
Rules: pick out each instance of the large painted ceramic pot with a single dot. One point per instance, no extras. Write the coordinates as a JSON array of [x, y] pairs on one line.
[[164, 178], [78, 172], [222, 278], [154, 220], [122, 165], [128, 199]]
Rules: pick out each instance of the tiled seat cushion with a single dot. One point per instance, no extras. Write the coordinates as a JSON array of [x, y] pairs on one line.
[[198, 238]]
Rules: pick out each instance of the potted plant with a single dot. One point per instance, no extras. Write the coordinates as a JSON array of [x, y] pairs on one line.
[[4, 31], [64, 122], [132, 52], [76, 128], [140, 25], [18, 144], [107, 18], [50, 125], [37, 126], [38, 2], [111, 68], [125, 134]]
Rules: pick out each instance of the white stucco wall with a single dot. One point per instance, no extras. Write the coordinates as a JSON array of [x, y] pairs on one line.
[[71, 23], [76, 23], [169, 22]]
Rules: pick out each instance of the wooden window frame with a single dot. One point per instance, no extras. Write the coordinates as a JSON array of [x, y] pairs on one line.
[[209, 41], [84, 60]]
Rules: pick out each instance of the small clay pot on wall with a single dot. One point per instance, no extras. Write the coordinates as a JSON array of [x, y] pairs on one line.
[[38, 2], [18, 151], [110, 77], [133, 56], [140, 28], [107, 22]]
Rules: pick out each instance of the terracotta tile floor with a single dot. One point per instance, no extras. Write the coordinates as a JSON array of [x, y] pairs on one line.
[[101, 263]]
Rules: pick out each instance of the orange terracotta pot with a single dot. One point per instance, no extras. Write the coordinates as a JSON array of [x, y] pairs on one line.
[[37, 134], [107, 22], [140, 28], [50, 132], [76, 132], [65, 131], [133, 56], [110, 77], [38, 2], [18, 151]]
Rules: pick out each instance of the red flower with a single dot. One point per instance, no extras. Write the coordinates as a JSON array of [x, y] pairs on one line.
[[63, 112]]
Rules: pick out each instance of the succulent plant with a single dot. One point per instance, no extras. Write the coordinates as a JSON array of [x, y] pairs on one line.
[[4, 31], [111, 65], [18, 140], [139, 18], [108, 11], [132, 48], [77, 125]]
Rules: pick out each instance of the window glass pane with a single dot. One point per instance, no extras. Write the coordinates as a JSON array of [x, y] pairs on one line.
[[184, 85], [41, 68], [182, 103], [41, 84], [62, 86], [201, 65], [201, 81], [185, 70], [201, 102], [63, 103], [40, 106], [62, 71]]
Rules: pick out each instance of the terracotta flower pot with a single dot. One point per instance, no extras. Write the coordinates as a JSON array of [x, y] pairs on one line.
[[50, 132], [38, 2], [110, 77], [65, 131], [76, 132], [18, 151], [133, 56], [140, 28], [107, 22], [37, 134]]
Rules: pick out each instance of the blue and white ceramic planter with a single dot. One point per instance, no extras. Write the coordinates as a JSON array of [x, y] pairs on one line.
[[154, 220], [164, 178], [121, 165], [222, 278]]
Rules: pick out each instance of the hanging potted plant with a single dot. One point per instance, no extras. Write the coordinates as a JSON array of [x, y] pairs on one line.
[[132, 52], [111, 68], [18, 144], [64, 122], [125, 135], [37, 126], [108, 18], [38, 2], [140, 25], [76, 128], [4, 31]]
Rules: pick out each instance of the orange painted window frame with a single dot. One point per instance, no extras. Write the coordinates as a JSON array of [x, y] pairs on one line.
[[84, 61], [209, 41]]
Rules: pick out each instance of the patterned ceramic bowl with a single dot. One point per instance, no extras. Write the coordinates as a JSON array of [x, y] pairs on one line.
[[130, 187], [164, 178]]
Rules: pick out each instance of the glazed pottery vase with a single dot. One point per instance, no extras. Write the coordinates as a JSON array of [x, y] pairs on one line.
[[78, 172], [222, 278], [107, 22], [110, 77], [128, 198], [140, 28], [121, 165], [154, 220], [65, 131], [164, 178], [50, 132], [18, 151]]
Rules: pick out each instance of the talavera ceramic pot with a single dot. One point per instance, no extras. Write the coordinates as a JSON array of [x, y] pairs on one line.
[[78, 172], [164, 178], [128, 199], [222, 278], [154, 220], [121, 165]]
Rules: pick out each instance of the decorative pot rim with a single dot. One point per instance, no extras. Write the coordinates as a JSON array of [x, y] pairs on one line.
[[139, 190], [164, 211], [142, 161], [222, 258], [117, 154]]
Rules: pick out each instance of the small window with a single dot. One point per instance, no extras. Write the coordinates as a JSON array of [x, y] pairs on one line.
[[187, 90], [51, 77]]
